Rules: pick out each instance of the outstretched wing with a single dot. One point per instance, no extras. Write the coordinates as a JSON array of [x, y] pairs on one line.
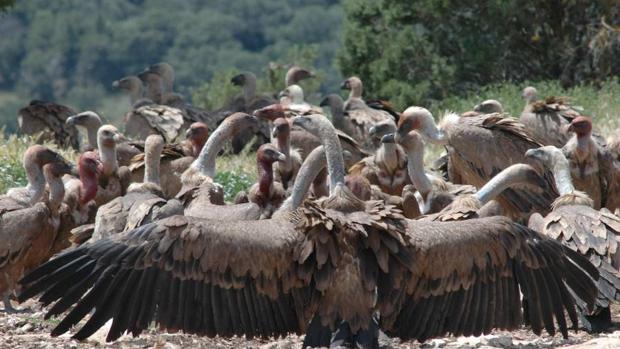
[[198, 276], [465, 278]]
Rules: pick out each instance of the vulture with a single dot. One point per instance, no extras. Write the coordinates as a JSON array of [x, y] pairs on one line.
[[579, 226], [200, 195], [547, 120], [592, 166], [434, 192], [355, 116], [613, 144], [266, 193], [176, 158], [28, 231], [387, 168], [482, 203], [146, 117], [488, 106], [296, 74], [303, 141], [248, 102], [143, 203], [113, 180], [48, 118], [88, 123], [292, 98], [285, 171], [337, 260], [472, 161]]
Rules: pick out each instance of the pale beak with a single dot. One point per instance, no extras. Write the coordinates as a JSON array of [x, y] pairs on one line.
[[388, 138]]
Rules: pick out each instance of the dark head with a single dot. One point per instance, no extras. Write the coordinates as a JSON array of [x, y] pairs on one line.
[[197, 134], [581, 125], [242, 79], [128, 83], [331, 100], [270, 112], [162, 69], [489, 106], [295, 74], [268, 154], [150, 77], [281, 128], [382, 128], [353, 84], [60, 168], [413, 118], [241, 121], [85, 119]]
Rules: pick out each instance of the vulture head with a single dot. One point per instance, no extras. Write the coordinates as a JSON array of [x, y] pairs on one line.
[[281, 128], [59, 168], [243, 79], [295, 74], [166, 72], [129, 83], [270, 112], [268, 154], [237, 122], [38, 155], [90, 168], [382, 128], [108, 136], [530, 94], [353, 84], [294, 93], [150, 77], [581, 125], [333, 100], [489, 106], [88, 119], [416, 118], [197, 134]]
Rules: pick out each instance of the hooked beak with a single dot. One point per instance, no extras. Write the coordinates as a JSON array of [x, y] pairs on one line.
[[116, 84], [282, 94], [118, 138], [372, 131], [281, 157], [532, 158], [298, 121], [189, 133], [324, 102], [71, 120], [73, 170], [275, 132], [388, 138], [345, 85]]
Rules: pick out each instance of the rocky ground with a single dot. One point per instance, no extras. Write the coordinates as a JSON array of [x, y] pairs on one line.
[[30, 330]]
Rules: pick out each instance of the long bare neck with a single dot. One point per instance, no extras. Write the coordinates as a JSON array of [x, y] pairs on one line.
[[335, 161], [337, 107], [91, 135], [390, 154], [135, 92], [415, 167], [309, 170], [36, 182], [584, 145], [510, 176], [284, 146], [249, 88], [356, 91], [107, 154], [57, 192], [561, 175], [265, 177], [152, 161], [88, 186], [154, 90], [205, 162]]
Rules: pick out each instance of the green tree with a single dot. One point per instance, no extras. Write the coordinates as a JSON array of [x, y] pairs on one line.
[[417, 51]]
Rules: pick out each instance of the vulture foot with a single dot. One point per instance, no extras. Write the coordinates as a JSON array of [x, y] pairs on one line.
[[597, 323], [8, 307]]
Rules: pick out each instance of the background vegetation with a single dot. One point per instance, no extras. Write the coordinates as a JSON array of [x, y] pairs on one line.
[[446, 55]]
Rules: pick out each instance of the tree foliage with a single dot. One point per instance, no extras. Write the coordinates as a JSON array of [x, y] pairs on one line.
[[67, 48], [416, 51]]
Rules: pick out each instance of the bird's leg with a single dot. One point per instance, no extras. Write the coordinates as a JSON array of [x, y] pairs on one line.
[[8, 307], [368, 338], [342, 338]]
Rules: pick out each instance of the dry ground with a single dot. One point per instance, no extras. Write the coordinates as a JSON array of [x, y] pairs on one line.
[[29, 330]]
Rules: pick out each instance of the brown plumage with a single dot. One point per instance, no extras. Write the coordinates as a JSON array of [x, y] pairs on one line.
[[482, 203], [472, 161], [547, 120], [355, 118], [175, 159], [387, 168], [305, 142], [144, 202], [285, 172], [339, 258], [48, 118], [579, 226], [592, 166], [28, 234]]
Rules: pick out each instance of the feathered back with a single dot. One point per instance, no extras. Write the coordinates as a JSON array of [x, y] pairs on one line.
[[574, 198]]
